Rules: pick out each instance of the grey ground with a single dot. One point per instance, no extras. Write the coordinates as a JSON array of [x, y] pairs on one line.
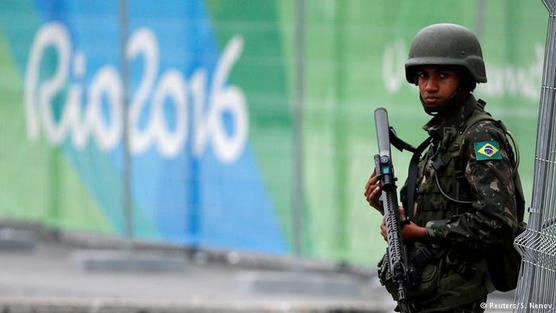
[[75, 274]]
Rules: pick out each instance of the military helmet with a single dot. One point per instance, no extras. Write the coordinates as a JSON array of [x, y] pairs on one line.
[[446, 44]]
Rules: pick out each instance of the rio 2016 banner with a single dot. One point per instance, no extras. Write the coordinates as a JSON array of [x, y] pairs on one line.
[[198, 97]]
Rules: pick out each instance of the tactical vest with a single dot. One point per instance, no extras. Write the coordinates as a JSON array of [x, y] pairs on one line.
[[453, 196], [442, 192], [439, 196], [443, 281]]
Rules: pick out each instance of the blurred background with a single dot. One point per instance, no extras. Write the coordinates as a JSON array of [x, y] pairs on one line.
[[230, 125]]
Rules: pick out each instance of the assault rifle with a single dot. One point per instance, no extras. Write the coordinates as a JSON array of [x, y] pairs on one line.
[[396, 252]]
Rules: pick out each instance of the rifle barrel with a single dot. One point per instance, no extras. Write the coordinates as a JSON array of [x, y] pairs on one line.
[[382, 131]]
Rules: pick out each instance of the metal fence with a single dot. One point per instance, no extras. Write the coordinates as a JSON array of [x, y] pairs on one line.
[[537, 244]]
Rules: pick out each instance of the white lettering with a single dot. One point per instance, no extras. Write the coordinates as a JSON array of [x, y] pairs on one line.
[[231, 99], [79, 129], [102, 116], [515, 81], [503, 80], [54, 35], [393, 66], [171, 85], [200, 121], [106, 81], [142, 42]]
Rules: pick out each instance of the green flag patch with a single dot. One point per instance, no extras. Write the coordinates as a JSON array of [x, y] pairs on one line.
[[487, 150]]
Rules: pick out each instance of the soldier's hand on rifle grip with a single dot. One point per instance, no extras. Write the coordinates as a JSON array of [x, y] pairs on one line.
[[410, 231], [384, 229], [414, 232], [373, 191]]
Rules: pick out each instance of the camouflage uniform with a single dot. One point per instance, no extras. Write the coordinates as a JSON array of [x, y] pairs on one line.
[[460, 234], [492, 214], [466, 187]]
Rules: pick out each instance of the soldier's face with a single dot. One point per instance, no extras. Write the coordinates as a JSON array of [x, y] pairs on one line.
[[437, 84]]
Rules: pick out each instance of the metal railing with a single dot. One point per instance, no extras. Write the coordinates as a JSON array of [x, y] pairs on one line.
[[537, 245]]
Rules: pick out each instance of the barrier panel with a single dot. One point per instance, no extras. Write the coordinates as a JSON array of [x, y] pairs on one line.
[[174, 121]]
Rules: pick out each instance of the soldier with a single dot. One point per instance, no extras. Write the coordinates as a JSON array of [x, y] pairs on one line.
[[466, 191]]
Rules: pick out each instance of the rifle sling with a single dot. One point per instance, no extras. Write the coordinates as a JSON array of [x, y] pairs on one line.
[[413, 170], [412, 174], [398, 143]]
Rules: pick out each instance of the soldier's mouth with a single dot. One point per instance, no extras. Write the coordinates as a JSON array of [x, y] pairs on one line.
[[431, 100]]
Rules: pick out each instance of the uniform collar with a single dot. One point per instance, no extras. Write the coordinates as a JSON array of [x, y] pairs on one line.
[[436, 127]]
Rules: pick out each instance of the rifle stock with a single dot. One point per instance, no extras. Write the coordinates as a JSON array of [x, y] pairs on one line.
[[396, 252]]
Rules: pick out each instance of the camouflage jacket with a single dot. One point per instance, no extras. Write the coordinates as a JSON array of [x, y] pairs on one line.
[[477, 168], [474, 165]]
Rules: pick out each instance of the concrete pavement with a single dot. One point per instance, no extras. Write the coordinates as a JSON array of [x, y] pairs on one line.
[[52, 277], [69, 273]]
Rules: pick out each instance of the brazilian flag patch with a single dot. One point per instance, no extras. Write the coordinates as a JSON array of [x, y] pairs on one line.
[[487, 150]]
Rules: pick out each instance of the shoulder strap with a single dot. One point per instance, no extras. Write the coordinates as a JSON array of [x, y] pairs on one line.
[[413, 170], [412, 174], [399, 143], [481, 116]]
